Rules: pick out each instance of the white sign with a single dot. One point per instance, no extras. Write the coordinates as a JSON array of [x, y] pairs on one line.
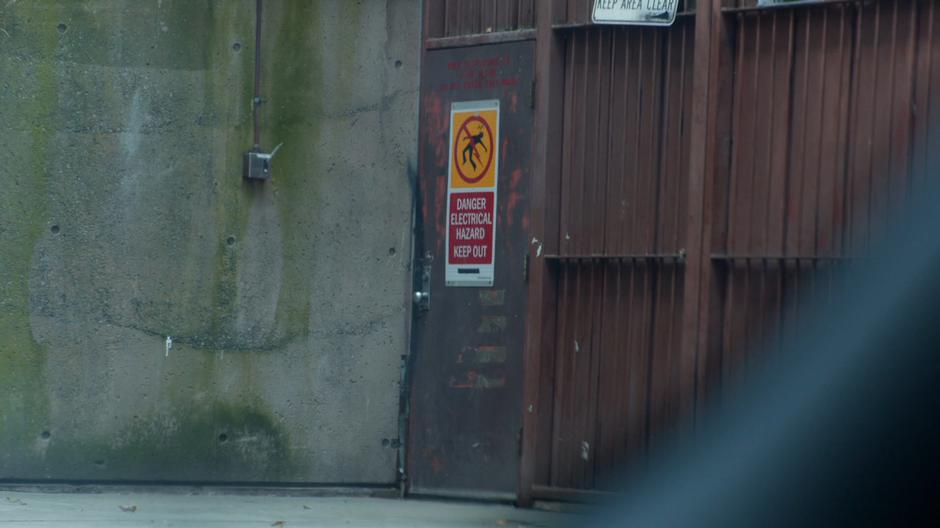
[[635, 12]]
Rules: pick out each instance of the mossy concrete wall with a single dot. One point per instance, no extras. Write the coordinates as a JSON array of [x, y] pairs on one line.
[[124, 219]]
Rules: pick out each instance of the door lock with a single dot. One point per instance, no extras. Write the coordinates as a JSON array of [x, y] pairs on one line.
[[422, 296]]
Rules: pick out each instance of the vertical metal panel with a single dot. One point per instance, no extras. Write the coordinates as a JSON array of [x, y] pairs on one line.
[[831, 123], [623, 198], [542, 287], [625, 141], [826, 146], [926, 156]]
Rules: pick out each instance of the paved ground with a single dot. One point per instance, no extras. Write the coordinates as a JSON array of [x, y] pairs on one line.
[[109, 510]]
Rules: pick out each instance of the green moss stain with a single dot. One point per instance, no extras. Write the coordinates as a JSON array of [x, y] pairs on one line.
[[133, 34], [24, 216], [204, 316], [214, 442], [217, 440], [308, 76], [232, 435], [228, 91]]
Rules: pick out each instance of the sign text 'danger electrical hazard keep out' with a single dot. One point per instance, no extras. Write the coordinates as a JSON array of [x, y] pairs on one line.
[[471, 227], [472, 179]]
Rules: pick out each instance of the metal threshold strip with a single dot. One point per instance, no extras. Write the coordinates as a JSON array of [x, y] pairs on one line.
[[555, 493]]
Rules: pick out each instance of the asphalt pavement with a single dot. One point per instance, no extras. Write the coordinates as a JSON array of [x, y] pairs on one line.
[[117, 509]]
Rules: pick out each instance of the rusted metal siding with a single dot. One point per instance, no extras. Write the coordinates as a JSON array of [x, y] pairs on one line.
[[454, 18], [619, 265], [827, 143], [692, 187], [624, 159], [823, 123]]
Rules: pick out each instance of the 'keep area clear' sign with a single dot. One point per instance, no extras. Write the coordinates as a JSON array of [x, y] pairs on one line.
[[635, 12], [471, 193]]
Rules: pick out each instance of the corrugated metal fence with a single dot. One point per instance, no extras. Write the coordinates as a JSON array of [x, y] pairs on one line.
[[622, 211], [823, 120], [711, 176], [829, 126]]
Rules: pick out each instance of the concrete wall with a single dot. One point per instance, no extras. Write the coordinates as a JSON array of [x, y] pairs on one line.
[[124, 219]]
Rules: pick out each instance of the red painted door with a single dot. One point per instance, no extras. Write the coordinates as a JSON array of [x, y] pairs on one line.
[[466, 364]]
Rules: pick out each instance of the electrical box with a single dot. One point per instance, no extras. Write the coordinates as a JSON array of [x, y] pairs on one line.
[[258, 164]]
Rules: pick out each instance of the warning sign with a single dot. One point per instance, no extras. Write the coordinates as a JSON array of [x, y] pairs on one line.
[[474, 148], [471, 227], [472, 193]]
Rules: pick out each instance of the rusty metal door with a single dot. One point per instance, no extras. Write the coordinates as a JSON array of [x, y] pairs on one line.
[[466, 368]]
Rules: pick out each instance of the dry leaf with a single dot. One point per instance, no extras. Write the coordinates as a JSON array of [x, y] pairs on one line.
[[278, 524], [128, 509], [307, 507], [16, 501]]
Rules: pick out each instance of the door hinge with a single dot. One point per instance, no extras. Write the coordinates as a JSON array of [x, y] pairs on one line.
[[525, 267], [532, 96], [422, 293]]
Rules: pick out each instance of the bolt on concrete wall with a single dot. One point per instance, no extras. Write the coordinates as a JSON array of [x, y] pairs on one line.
[[124, 220]]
